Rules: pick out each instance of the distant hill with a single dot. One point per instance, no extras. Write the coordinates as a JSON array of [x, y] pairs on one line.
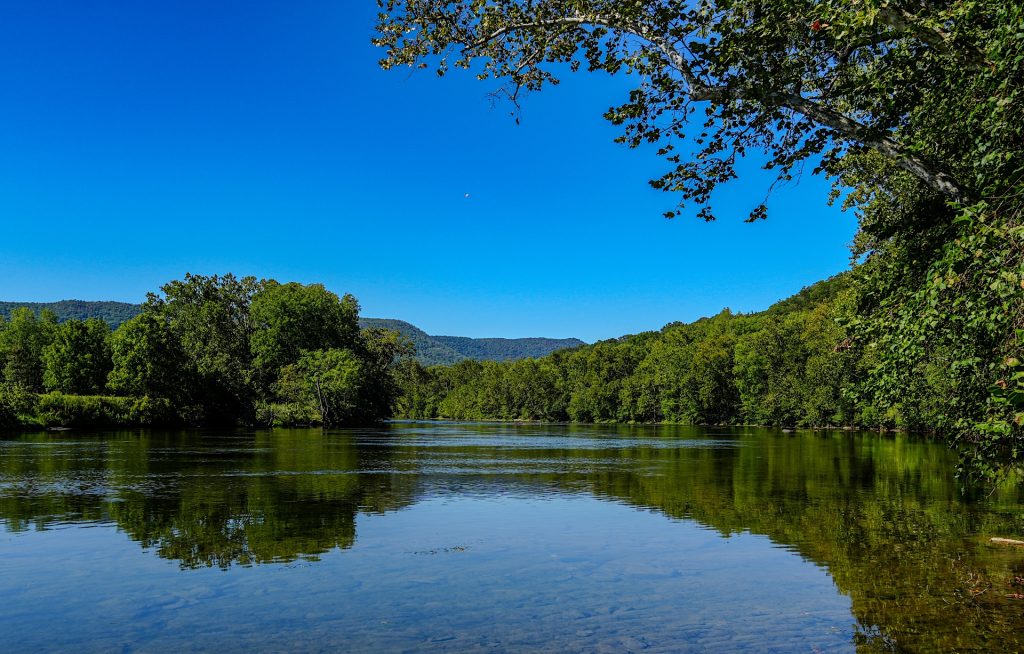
[[506, 349], [445, 350], [114, 313], [430, 350]]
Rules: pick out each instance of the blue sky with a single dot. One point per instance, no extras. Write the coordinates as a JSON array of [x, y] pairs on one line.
[[140, 141]]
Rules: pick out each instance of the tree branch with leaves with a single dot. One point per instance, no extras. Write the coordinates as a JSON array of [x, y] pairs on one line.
[[795, 78]]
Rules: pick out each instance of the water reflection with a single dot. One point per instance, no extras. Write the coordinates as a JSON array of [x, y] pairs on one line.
[[204, 499], [881, 514]]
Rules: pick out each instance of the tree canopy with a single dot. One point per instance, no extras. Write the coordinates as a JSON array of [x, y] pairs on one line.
[[289, 319], [78, 359]]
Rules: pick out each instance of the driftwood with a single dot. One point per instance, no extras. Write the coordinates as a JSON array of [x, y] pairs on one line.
[[1007, 541]]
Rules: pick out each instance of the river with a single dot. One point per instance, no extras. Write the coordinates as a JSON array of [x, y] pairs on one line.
[[449, 537]]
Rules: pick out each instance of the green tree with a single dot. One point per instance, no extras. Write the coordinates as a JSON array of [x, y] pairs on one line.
[[417, 391], [209, 317], [770, 366], [711, 385], [666, 368], [458, 387], [22, 341], [78, 360], [595, 377], [330, 380], [288, 319], [147, 360], [831, 371], [380, 352]]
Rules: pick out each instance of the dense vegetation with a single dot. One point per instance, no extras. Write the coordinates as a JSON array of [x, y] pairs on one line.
[[915, 110], [792, 365], [112, 313], [207, 350]]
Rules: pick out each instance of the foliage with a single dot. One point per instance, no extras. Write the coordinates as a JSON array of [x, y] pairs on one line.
[[789, 365], [340, 386], [329, 381], [8, 409], [22, 341], [1005, 411], [208, 317], [147, 359], [78, 359], [58, 409], [207, 350], [289, 319], [296, 412], [943, 343], [380, 351]]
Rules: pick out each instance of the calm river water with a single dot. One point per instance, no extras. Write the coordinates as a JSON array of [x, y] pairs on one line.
[[441, 537]]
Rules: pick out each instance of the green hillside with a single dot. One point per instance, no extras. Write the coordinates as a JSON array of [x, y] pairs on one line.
[[446, 350], [113, 313], [429, 351], [506, 349]]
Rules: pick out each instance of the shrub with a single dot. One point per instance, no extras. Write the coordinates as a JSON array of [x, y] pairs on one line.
[[58, 409], [148, 411], [16, 406], [287, 414]]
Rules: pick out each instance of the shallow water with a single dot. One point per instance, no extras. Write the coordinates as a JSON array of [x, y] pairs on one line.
[[460, 537]]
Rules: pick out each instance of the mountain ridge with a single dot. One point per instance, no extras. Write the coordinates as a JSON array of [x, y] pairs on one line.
[[114, 313], [443, 350]]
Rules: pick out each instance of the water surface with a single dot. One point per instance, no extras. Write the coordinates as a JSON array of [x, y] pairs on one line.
[[458, 537]]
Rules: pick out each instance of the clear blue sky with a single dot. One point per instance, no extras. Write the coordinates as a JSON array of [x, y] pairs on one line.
[[143, 140]]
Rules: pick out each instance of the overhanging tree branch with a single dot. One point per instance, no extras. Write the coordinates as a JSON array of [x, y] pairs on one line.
[[845, 127]]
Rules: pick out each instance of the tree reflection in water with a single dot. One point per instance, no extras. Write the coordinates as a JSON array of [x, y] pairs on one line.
[[881, 513]]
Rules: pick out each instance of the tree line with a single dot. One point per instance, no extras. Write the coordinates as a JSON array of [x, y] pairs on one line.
[[790, 366], [221, 350], [205, 350]]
